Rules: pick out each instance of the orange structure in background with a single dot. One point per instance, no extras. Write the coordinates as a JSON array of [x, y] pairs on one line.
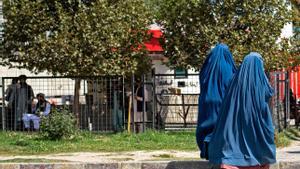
[[295, 81]]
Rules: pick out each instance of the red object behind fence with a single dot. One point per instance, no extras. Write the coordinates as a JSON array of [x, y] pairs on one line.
[[295, 81]]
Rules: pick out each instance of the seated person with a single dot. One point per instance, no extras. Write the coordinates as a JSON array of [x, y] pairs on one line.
[[42, 108]]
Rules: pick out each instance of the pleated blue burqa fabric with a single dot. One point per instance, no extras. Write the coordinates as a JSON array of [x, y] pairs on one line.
[[244, 135], [215, 75]]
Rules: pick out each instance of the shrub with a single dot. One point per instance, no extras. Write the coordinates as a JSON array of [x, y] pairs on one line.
[[60, 124], [281, 139]]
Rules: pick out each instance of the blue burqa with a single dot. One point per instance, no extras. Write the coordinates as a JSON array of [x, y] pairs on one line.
[[244, 135], [215, 75]]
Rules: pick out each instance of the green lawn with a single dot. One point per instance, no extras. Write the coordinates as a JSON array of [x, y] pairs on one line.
[[22, 143], [12, 143], [285, 137]]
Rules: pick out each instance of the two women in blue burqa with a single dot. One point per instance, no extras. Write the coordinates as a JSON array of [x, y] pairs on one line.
[[215, 75], [244, 134]]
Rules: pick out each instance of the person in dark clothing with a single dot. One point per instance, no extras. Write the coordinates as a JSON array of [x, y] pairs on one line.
[[215, 76], [294, 108], [42, 108], [244, 134], [140, 117], [11, 91], [25, 97], [11, 98]]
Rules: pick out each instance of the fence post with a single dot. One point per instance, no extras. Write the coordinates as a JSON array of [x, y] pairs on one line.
[[3, 106], [144, 102], [76, 104], [132, 103], [123, 101], [287, 93], [285, 104], [154, 111], [277, 102]]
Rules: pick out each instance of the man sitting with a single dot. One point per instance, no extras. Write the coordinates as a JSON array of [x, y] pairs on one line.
[[42, 108]]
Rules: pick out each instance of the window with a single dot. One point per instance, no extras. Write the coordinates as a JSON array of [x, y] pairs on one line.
[[180, 73]]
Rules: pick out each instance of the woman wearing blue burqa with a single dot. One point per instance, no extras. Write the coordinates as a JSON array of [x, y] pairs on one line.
[[244, 134], [215, 75]]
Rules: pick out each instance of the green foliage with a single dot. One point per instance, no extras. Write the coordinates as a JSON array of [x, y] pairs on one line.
[[95, 37], [192, 27], [295, 40], [21, 142], [58, 125], [281, 140], [285, 138]]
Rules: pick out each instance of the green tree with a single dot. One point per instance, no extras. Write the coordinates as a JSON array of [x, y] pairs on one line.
[[192, 27], [91, 37], [295, 40], [76, 37]]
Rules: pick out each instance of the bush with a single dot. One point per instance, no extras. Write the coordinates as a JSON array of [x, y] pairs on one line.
[[60, 124], [281, 139]]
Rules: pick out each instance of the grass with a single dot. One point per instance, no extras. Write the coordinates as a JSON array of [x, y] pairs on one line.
[[284, 138], [281, 140], [18, 143]]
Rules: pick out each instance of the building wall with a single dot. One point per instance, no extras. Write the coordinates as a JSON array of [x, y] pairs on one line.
[[191, 82]]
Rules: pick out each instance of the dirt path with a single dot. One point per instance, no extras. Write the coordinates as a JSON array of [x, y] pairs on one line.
[[287, 154], [290, 153], [86, 157]]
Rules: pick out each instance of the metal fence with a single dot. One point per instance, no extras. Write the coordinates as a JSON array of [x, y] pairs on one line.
[[176, 101], [285, 110], [101, 100], [108, 104]]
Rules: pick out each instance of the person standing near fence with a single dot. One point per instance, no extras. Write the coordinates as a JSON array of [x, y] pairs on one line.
[[215, 76], [11, 98], [244, 134], [140, 97], [25, 97]]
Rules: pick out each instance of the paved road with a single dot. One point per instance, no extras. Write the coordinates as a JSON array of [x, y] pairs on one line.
[[288, 158], [289, 154]]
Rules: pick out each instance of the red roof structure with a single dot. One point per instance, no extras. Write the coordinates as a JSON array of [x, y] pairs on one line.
[[153, 45]]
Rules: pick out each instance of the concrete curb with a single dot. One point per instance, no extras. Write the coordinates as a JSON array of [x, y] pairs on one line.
[[132, 165]]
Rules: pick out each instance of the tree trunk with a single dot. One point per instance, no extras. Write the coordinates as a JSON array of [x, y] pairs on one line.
[[76, 105]]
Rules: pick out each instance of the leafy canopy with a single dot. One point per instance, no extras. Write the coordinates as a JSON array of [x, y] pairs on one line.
[[295, 40], [192, 27], [90, 37]]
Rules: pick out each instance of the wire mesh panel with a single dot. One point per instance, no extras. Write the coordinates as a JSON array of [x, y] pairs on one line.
[[20, 97], [280, 102], [104, 107], [176, 101], [100, 100]]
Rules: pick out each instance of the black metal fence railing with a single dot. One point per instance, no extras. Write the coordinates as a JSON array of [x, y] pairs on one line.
[[101, 100], [280, 103], [176, 101], [108, 104]]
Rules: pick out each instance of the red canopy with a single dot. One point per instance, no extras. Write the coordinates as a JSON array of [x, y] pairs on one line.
[[153, 45]]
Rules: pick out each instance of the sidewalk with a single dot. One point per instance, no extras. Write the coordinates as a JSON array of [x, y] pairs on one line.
[[288, 158], [289, 154]]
